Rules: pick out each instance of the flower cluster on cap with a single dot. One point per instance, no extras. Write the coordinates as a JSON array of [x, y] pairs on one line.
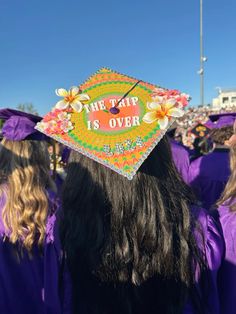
[[58, 120], [166, 104]]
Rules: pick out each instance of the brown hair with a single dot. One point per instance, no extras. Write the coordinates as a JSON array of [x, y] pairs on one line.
[[24, 171], [219, 136]]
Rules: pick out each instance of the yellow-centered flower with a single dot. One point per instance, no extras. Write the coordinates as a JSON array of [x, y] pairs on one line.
[[71, 98], [161, 111]]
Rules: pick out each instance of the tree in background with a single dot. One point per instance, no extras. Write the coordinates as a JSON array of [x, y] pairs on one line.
[[1, 124], [27, 107]]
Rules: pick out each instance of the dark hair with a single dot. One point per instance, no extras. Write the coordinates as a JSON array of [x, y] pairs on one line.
[[125, 233]]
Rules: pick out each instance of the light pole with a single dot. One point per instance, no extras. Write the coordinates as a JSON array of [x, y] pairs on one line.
[[202, 58]]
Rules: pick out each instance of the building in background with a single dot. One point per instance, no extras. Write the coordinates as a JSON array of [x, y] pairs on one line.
[[225, 100]]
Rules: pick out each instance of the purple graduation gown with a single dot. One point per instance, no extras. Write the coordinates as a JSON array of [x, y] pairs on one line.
[[208, 176], [213, 246], [227, 274], [181, 159], [29, 284], [65, 154]]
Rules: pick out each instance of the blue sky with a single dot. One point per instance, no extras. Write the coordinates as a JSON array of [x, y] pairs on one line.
[[47, 44]]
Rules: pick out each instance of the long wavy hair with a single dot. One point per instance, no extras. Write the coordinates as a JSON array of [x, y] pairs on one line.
[[229, 192], [24, 176], [129, 232]]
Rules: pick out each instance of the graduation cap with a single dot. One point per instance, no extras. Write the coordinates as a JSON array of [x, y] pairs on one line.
[[19, 125], [200, 130], [221, 120], [209, 124], [113, 119]]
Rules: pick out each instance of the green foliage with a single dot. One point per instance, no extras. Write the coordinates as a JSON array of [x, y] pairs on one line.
[[27, 107]]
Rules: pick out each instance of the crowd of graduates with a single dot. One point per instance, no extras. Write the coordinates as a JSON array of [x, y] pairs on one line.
[[205, 167], [76, 237]]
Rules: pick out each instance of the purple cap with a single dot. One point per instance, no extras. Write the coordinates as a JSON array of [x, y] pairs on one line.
[[220, 120], [20, 125], [209, 124]]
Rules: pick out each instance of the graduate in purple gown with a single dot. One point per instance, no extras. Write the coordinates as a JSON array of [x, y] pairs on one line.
[[65, 154], [30, 252], [116, 271], [181, 159], [106, 276], [135, 241], [227, 213], [208, 174], [179, 153]]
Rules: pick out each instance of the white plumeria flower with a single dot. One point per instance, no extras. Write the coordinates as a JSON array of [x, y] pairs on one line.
[[162, 111], [71, 98]]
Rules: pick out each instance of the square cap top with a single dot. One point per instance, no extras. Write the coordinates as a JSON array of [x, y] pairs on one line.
[[200, 130], [113, 119], [220, 120]]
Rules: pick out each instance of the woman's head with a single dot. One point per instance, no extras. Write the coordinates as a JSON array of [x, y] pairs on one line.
[[229, 193], [24, 171], [23, 155], [220, 135], [128, 231]]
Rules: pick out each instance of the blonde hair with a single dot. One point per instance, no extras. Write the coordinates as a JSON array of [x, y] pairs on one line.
[[229, 192], [24, 169]]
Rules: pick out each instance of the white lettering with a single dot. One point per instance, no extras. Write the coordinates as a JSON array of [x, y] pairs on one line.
[[102, 105], [89, 125], [120, 121], [135, 120], [87, 108], [93, 124], [122, 103], [94, 106], [128, 122], [128, 102], [96, 124], [134, 100], [112, 123], [113, 102]]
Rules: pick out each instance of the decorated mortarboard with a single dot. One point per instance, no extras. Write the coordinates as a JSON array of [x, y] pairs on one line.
[[19, 125], [113, 119], [200, 130], [217, 121]]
